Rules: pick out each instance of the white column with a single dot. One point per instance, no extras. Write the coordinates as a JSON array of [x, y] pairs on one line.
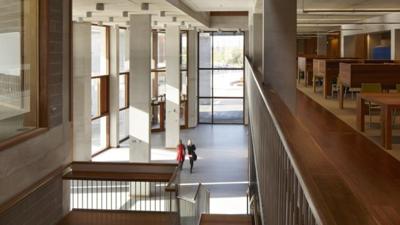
[[114, 87], [139, 91], [82, 66], [192, 78], [172, 121], [280, 24]]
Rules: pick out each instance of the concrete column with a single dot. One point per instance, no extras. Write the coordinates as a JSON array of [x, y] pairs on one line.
[[82, 67], [279, 31], [395, 44], [172, 125], [114, 87], [139, 91], [192, 77], [257, 41], [322, 45]]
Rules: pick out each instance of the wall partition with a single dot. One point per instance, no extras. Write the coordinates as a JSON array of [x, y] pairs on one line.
[[221, 78]]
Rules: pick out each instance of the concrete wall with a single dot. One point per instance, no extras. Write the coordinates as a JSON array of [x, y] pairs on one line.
[[24, 164], [350, 30]]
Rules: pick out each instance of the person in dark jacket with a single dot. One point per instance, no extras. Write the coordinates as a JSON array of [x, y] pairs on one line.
[[191, 148]]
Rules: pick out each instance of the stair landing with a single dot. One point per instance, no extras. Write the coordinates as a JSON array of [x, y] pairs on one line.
[[222, 219]]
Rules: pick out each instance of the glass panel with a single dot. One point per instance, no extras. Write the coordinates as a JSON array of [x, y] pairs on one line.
[[205, 50], [184, 83], [228, 83], [184, 51], [18, 68], [228, 51], [205, 110], [122, 91], [99, 51], [205, 79], [99, 134], [161, 51], [95, 97], [161, 83], [123, 124], [228, 111], [123, 51]]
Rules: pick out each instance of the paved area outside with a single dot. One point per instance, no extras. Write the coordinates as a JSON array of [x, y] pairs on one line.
[[221, 165]]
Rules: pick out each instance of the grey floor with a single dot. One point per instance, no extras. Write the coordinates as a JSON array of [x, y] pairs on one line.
[[221, 165]]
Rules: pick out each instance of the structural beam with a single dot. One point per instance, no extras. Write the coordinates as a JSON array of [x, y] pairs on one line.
[[172, 54], [139, 91]]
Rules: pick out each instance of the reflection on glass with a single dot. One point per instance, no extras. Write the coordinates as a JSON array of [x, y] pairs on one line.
[[205, 50], [123, 124], [184, 50], [205, 110], [123, 51], [228, 110], [99, 51], [228, 51], [122, 91], [99, 134], [161, 51], [228, 83], [184, 83], [205, 83], [95, 97], [18, 68]]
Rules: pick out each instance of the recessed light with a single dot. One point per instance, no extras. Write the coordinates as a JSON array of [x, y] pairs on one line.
[[100, 6], [111, 19], [125, 13], [89, 14], [162, 13], [100, 23], [144, 6], [174, 19]]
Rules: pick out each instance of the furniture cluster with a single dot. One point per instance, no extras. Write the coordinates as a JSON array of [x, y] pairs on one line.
[[377, 83]]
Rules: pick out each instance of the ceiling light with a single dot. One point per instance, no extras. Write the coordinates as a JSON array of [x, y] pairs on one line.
[[100, 6], [174, 19], [144, 6], [89, 14], [125, 13], [162, 13], [111, 19]]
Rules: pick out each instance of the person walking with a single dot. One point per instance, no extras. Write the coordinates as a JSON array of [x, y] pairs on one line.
[[180, 154], [192, 153]]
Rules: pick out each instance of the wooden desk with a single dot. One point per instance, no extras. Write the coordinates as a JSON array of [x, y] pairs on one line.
[[388, 102], [328, 71], [353, 75], [305, 65]]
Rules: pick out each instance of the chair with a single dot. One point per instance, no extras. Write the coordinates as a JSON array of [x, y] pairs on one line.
[[371, 88]]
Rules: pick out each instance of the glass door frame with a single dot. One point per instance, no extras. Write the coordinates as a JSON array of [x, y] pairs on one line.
[[212, 69]]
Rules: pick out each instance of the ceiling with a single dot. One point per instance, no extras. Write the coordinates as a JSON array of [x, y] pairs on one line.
[[313, 15], [114, 8]]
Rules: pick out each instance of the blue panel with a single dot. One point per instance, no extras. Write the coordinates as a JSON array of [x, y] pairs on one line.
[[381, 53]]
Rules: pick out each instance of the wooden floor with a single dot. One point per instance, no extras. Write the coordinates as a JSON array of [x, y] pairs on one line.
[[97, 217], [220, 219], [372, 174]]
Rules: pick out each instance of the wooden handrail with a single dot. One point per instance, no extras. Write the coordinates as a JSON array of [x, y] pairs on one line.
[[328, 195]]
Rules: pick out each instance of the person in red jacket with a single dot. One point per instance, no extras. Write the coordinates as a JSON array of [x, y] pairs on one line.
[[180, 152]]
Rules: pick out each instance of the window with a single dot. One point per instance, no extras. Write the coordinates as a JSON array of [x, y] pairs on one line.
[[100, 88], [123, 51], [221, 77], [123, 86], [19, 73]]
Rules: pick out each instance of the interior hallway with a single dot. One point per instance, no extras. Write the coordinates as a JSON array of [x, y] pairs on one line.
[[221, 166]]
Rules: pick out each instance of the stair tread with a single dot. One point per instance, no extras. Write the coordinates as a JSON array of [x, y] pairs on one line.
[[221, 219]]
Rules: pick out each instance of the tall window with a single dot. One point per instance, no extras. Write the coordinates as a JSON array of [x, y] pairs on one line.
[[221, 77], [123, 86], [100, 88], [184, 79], [19, 76]]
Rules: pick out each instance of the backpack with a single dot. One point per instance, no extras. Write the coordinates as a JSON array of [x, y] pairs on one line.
[[194, 156]]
